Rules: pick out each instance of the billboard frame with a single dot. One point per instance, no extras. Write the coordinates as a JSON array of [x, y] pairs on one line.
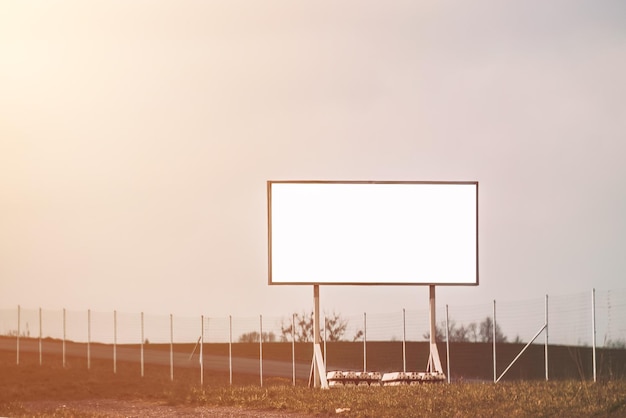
[[380, 283]]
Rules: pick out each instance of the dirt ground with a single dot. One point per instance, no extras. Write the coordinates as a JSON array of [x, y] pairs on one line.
[[30, 390], [141, 408]]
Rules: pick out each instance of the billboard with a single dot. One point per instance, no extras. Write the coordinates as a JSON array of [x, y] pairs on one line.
[[373, 232]]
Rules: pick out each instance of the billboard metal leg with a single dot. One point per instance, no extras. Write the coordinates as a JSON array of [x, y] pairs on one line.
[[316, 332], [317, 363], [434, 363]]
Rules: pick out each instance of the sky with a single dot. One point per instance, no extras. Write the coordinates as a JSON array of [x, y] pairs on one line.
[[137, 137]]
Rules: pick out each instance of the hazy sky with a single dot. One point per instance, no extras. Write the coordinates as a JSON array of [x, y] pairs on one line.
[[136, 139]]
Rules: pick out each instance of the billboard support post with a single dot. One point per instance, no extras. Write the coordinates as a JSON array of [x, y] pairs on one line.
[[317, 363], [447, 345], [293, 348], [434, 363], [495, 365]]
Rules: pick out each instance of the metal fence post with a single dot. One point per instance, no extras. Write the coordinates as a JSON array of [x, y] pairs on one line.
[[365, 341], [40, 335], [546, 348], [201, 350], [141, 359], [447, 345], [171, 347], [593, 327], [114, 342], [230, 349], [494, 342], [404, 340], [64, 334], [261, 348], [18, 334], [88, 339]]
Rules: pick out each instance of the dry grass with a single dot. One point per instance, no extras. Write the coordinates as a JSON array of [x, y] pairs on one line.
[[30, 382]]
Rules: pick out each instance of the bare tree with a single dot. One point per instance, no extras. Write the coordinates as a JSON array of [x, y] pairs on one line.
[[303, 331], [335, 327], [440, 332], [253, 337], [473, 332], [458, 333], [486, 331]]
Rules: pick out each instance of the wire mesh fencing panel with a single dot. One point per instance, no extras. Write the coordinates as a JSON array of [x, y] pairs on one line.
[[570, 319], [101, 326], [417, 334], [50, 325], [570, 328], [247, 348], [470, 336], [610, 322], [519, 329], [186, 338], [27, 323], [384, 341], [346, 350], [51, 329], [76, 326], [9, 330], [586, 334], [127, 342], [25, 340], [611, 313], [217, 349], [8, 322]]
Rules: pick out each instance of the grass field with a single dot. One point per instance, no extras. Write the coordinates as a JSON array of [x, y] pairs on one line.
[[29, 381]]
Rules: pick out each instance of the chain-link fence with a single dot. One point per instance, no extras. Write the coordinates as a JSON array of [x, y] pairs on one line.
[[580, 336]]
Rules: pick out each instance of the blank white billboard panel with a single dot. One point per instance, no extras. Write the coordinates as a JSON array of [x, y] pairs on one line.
[[373, 233]]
